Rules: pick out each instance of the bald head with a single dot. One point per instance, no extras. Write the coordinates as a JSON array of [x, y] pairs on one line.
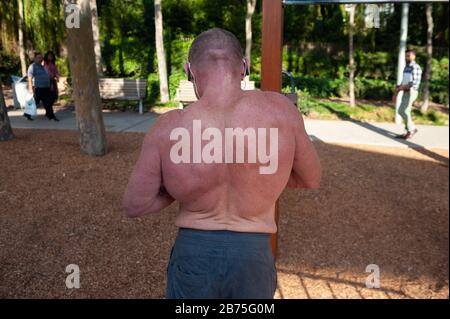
[[214, 45]]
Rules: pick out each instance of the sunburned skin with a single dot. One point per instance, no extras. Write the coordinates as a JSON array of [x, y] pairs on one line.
[[222, 195], [236, 145]]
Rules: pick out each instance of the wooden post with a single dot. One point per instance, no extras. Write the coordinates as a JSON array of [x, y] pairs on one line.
[[272, 46]]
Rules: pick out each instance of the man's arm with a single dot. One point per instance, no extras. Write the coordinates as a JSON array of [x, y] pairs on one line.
[[306, 170], [416, 76], [145, 193]]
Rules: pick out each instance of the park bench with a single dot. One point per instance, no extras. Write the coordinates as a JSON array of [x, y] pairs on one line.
[[185, 93], [123, 89]]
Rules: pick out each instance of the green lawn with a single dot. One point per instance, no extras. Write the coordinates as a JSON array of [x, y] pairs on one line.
[[324, 109], [367, 111]]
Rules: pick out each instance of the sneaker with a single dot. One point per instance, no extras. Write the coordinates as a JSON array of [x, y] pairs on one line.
[[410, 134], [28, 117], [402, 136]]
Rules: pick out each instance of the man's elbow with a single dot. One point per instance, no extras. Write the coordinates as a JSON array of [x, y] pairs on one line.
[[131, 209], [312, 184]]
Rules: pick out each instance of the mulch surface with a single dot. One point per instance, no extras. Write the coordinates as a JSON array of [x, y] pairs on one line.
[[383, 206]]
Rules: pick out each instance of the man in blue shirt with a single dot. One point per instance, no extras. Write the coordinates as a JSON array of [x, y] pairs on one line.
[[412, 75], [39, 86]]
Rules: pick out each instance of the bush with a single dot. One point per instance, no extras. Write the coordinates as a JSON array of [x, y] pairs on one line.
[[63, 66], [318, 87], [174, 82], [305, 102], [152, 88], [439, 81], [376, 65], [179, 49], [153, 94], [439, 91], [364, 88], [9, 65], [373, 89]]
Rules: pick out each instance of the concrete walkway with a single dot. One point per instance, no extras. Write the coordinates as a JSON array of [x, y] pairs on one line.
[[349, 132]]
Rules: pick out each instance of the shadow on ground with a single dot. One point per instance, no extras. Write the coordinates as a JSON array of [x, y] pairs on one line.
[[376, 206]]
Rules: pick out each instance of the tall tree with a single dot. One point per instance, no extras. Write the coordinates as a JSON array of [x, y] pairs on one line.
[[6, 132], [351, 59], [401, 56], [85, 90], [427, 75], [162, 67], [96, 34], [251, 4], [23, 63]]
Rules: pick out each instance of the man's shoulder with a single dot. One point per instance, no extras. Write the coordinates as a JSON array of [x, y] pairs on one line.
[[31, 67], [276, 103], [414, 64], [167, 120]]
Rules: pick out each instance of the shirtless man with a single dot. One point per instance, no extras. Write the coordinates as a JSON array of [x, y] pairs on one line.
[[226, 210]]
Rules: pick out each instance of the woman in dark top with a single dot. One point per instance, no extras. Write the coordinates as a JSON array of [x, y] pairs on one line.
[[52, 70]]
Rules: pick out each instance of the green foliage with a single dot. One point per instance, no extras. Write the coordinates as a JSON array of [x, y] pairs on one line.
[[63, 66], [305, 102], [333, 109], [376, 65], [373, 89], [153, 88], [179, 49], [9, 65], [44, 24], [364, 88], [315, 38], [127, 35], [315, 86], [439, 81], [174, 82]]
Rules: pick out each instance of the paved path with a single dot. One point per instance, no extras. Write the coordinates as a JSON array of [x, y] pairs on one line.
[[349, 132]]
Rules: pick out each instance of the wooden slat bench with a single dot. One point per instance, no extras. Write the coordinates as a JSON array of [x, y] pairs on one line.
[[123, 89], [186, 94]]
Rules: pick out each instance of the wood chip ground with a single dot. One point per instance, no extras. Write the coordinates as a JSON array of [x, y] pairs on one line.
[[383, 206]]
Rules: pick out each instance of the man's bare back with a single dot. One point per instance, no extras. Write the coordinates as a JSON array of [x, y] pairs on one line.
[[225, 159], [224, 196]]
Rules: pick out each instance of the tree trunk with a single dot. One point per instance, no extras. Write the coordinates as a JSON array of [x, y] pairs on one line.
[[162, 67], [23, 62], [85, 90], [251, 4], [401, 57], [6, 132], [351, 60], [427, 75], [96, 34]]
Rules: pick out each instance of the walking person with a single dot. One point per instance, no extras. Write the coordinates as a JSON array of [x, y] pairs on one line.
[[52, 70], [39, 86], [412, 75]]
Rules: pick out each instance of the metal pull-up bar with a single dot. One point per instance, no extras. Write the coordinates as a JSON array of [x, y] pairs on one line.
[[303, 2]]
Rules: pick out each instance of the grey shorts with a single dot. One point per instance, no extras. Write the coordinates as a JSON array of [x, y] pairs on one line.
[[221, 264]]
